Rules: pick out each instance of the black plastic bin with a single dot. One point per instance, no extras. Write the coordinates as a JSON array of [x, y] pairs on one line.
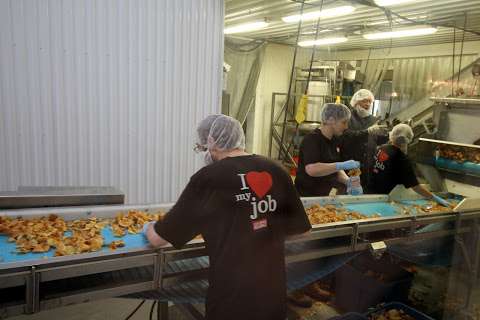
[[366, 282], [417, 315], [350, 316]]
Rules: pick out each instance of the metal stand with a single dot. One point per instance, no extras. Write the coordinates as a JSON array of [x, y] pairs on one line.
[[277, 126], [162, 310]]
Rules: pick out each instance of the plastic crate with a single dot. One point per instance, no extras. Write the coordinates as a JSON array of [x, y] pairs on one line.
[[350, 316], [417, 315], [356, 289]]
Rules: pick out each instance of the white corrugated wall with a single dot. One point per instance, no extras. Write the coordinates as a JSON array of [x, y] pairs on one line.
[[97, 93]]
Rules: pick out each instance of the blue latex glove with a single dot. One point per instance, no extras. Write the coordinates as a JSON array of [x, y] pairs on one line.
[[441, 201], [145, 227], [347, 165]]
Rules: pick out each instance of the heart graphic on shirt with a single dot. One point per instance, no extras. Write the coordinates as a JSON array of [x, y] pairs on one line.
[[259, 182], [382, 156]]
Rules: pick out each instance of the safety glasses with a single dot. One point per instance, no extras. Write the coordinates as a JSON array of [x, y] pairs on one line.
[[199, 148]]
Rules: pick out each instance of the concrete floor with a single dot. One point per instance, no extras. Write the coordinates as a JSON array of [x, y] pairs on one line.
[[108, 309], [120, 308]]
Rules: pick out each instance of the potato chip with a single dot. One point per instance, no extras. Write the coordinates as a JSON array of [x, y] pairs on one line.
[[330, 213], [116, 244], [354, 172]]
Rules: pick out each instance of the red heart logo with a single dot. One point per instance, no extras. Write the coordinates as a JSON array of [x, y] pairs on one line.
[[259, 182], [382, 156]]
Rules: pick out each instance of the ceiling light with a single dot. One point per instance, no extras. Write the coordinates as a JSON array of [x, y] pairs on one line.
[[326, 13], [378, 22], [400, 33], [314, 32], [246, 27], [386, 3], [319, 42]]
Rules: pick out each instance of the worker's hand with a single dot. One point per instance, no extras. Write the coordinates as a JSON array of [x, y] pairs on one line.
[[378, 130], [347, 165], [146, 226], [441, 201]]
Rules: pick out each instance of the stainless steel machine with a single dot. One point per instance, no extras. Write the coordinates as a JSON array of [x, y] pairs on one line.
[[48, 196], [448, 152]]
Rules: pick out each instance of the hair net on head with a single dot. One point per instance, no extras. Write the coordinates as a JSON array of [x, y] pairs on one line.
[[401, 134], [221, 132], [360, 95], [203, 128], [336, 111]]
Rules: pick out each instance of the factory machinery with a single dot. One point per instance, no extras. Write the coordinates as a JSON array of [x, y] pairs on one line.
[[448, 148], [32, 282]]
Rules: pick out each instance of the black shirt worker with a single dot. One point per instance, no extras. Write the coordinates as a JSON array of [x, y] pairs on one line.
[[244, 206], [320, 166], [360, 140], [392, 166]]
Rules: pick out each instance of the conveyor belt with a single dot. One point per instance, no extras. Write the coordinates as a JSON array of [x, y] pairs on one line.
[[466, 167], [8, 252], [8, 249], [55, 281]]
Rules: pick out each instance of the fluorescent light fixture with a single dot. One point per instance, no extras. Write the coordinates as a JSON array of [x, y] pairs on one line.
[[314, 32], [378, 22], [246, 27], [326, 13], [324, 41], [387, 3], [400, 33]]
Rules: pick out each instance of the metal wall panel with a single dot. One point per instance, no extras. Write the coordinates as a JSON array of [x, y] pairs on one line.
[[107, 92]]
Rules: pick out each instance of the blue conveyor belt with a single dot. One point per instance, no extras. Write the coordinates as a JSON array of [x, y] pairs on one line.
[[465, 167], [8, 249], [371, 208]]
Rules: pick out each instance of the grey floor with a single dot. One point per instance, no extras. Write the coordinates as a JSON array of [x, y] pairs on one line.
[[108, 309], [119, 309]]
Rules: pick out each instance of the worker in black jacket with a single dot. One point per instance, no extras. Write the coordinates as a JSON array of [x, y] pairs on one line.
[[363, 136]]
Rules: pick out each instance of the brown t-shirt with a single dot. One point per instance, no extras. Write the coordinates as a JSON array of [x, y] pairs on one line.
[[244, 207]]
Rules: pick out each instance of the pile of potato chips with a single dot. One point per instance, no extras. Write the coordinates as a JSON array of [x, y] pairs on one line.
[[392, 314], [73, 237], [459, 153], [330, 213], [132, 222], [434, 207], [34, 235]]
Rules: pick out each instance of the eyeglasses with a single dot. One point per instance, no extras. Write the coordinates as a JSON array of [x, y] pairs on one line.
[[199, 148]]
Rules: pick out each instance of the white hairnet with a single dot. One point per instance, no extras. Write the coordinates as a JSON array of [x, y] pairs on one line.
[[336, 111], [401, 134], [221, 132], [360, 95]]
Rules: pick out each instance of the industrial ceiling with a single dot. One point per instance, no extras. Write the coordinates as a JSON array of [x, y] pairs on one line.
[[367, 18]]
